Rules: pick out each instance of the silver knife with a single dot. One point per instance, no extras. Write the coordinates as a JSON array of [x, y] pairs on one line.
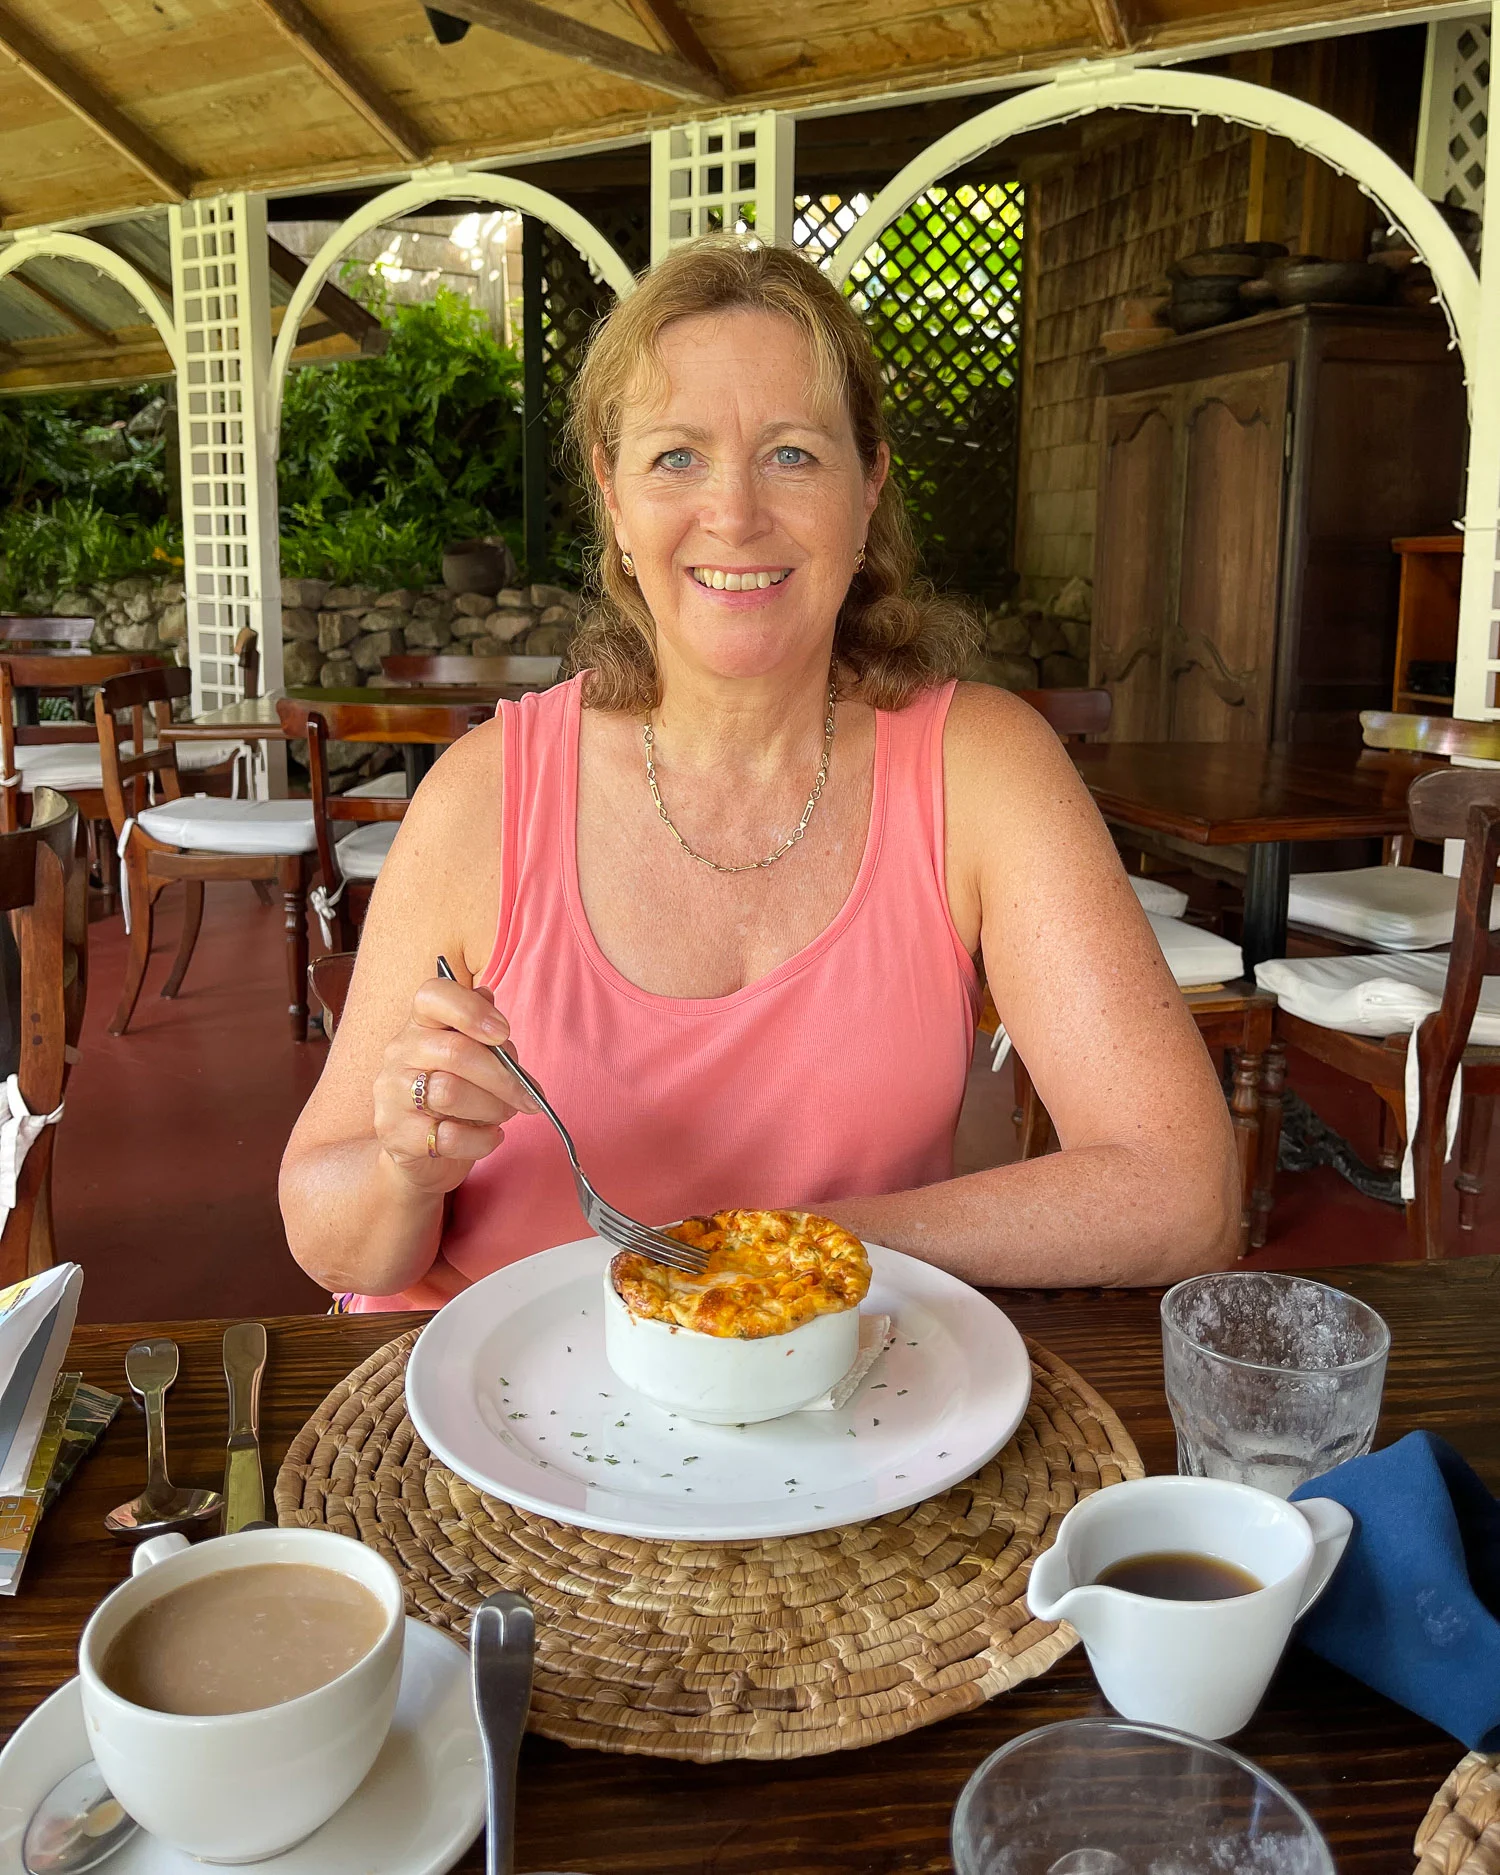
[[244, 1363]]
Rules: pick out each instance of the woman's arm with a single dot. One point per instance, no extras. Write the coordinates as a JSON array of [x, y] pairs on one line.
[[362, 1199], [1145, 1188]]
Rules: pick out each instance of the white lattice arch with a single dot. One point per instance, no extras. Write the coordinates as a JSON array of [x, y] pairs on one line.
[[1121, 86], [80, 247], [433, 186]]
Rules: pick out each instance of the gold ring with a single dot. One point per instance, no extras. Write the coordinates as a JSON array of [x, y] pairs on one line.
[[432, 1151], [419, 1092]]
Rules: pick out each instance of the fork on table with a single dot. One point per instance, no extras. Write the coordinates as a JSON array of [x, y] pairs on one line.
[[625, 1233]]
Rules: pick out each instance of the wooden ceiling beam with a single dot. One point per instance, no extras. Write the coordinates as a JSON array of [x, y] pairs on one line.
[[76, 94], [556, 32], [673, 28], [101, 335], [1112, 21], [340, 309], [336, 69]]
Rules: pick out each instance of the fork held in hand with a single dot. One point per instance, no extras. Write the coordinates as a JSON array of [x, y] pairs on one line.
[[612, 1225]]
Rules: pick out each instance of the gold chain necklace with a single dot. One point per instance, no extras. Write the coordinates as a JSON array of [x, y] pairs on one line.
[[648, 736]]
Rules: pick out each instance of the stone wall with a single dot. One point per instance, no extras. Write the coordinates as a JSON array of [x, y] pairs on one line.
[[333, 635]]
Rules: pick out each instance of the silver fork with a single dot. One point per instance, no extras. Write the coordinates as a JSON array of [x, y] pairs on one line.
[[612, 1225]]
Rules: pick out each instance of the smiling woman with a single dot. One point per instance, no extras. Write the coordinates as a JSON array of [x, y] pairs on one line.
[[732, 887]]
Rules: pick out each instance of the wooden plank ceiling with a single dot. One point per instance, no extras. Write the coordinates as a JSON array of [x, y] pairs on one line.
[[109, 106]]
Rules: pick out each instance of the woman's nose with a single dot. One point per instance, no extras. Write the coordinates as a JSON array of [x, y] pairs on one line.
[[733, 509]]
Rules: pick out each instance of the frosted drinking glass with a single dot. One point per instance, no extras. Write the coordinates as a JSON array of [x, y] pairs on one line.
[[1271, 1379]]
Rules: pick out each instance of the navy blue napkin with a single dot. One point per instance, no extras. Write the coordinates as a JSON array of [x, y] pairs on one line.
[[1414, 1608]]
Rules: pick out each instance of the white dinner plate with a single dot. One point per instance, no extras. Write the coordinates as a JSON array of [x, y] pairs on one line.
[[509, 1386], [415, 1814]]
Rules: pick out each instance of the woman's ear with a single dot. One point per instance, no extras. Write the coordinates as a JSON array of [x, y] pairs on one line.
[[875, 480], [604, 476]]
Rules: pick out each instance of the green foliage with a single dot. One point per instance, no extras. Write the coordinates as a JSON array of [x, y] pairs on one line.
[[385, 460], [83, 490]]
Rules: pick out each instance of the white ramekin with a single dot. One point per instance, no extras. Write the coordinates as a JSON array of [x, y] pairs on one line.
[[720, 1378]]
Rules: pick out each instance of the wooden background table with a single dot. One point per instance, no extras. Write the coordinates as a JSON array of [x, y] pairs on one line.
[[1242, 794], [1365, 1768]]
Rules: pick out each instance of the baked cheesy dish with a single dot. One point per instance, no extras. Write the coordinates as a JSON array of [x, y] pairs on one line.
[[768, 1272]]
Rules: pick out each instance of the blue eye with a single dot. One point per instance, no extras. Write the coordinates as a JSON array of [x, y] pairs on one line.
[[789, 456], [676, 458]]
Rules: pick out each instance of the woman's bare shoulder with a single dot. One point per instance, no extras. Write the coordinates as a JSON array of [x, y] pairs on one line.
[[993, 737]]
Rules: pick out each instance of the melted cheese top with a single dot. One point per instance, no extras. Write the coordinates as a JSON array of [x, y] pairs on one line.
[[768, 1272]]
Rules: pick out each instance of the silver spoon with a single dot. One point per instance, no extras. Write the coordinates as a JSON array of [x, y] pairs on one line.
[[151, 1367], [502, 1642], [76, 1826]]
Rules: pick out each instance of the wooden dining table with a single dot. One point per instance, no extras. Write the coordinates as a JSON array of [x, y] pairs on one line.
[[1219, 794], [1365, 1768]]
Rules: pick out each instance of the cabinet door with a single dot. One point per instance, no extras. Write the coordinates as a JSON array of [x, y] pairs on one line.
[[1134, 556], [1222, 651]]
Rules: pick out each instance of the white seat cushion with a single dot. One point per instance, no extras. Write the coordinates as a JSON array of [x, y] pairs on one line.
[[390, 786], [59, 765], [362, 853], [1165, 900], [1397, 908], [1383, 995], [1196, 957], [210, 826]]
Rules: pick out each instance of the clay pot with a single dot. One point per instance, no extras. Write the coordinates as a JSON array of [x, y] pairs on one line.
[[477, 566]]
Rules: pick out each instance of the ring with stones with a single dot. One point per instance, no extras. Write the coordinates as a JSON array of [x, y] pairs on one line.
[[419, 1092]]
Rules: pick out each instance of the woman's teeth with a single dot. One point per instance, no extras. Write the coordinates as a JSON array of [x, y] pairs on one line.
[[720, 581]]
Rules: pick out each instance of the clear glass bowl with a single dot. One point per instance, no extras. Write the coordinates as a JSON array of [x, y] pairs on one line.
[[1103, 1797]]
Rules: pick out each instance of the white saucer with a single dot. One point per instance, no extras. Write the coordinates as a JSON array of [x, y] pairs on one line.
[[415, 1814], [509, 1386]]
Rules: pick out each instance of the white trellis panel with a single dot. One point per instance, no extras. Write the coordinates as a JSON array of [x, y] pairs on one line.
[[220, 280], [1453, 135], [726, 173]]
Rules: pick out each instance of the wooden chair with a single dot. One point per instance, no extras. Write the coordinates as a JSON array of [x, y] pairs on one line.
[[1073, 713], [329, 977], [349, 867], [1458, 803], [451, 667], [1396, 906], [44, 888], [195, 840], [18, 632]]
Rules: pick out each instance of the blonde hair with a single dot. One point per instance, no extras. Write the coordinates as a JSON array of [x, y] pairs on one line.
[[894, 635]]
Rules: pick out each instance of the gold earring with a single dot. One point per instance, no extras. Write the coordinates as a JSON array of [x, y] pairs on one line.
[[859, 560], [628, 564]]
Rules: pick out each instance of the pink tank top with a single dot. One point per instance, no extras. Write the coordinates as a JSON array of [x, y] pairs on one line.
[[838, 1074]]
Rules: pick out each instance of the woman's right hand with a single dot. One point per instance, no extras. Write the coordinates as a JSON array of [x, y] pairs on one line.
[[467, 1098]]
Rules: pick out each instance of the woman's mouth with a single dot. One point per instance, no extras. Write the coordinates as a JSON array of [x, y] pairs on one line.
[[738, 579]]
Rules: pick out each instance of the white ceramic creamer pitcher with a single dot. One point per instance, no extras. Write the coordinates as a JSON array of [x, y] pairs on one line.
[[1200, 1666]]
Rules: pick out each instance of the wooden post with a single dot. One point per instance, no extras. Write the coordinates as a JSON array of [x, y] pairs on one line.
[[534, 403]]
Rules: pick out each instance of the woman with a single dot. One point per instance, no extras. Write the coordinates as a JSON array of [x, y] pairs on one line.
[[729, 890]]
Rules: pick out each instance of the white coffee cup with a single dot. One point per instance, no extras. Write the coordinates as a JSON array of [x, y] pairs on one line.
[[242, 1786], [1199, 1666]]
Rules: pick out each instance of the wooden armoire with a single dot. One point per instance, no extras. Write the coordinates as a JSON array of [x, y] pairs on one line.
[[1251, 481]]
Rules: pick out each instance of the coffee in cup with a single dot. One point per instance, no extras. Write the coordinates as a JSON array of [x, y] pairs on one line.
[[236, 1694], [1198, 1662]]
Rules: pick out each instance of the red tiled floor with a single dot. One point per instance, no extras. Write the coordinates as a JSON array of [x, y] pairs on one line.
[[165, 1186]]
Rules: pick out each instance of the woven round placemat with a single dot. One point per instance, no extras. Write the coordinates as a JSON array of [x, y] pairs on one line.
[[772, 1649], [1460, 1834]]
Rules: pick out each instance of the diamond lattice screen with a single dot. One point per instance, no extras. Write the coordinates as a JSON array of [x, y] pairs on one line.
[[573, 303], [1455, 113], [941, 294]]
